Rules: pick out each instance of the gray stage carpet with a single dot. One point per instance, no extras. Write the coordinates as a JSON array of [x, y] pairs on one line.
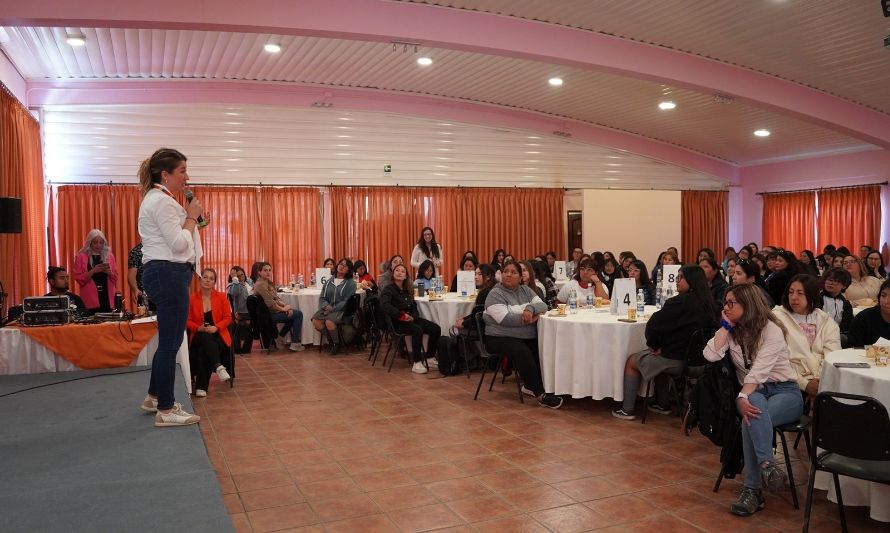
[[79, 455]]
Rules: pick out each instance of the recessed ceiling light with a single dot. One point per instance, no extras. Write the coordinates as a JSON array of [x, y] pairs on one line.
[[533, 152], [233, 123], [233, 149], [344, 136], [76, 39], [761, 133], [231, 170], [343, 153], [532, 161], [533, 144], [343, 118], [532, 137], [611, 179], [445, 141], [100, 146], [232, 114], [555, 82], [340, 172], [530, 168], [613, 164], [444, 158], [664, 106], [272, 48], [533, 177], [444, 149], [424, 61], [445, 133], [233, 159], [442, 166], [439, 174], [233, 132], [445, 124], [613, 171], [234, 142], [343, 145]]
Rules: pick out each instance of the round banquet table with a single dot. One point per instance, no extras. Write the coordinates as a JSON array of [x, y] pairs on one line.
[[874, 382], [584, 354], [306, 300], [444, 312]]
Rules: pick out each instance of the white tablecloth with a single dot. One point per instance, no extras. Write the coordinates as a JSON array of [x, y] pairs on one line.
[[874, 382], [561, 282], [445, 312], [306, 300], [584, 354], [20, 354]]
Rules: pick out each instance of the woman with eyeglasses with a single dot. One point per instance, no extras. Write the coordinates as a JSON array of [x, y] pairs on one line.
[[834, 302], [755, 341], [584, 283], [610, 272], [668, 332], [862, 286], [427, 249], [874, 264], [811, 331]]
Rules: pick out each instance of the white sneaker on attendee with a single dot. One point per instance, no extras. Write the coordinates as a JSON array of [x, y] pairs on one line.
[[176, 417], [418, 368], [296, 347], [200, 393], [222, 374], [432, 363], [149, 404]]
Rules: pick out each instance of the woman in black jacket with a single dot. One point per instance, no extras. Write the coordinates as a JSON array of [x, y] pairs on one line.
[[714, 276], [397, 302], [667, 336], [784, 267], [834, 303]]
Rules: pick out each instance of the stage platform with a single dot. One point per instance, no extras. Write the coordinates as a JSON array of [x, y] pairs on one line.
[[77, 454]]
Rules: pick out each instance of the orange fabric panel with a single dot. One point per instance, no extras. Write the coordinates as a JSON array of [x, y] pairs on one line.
[[850, 217], [109, 345], [21, 176], [704, 222], [232, 236], [289, 230], [789, 220]]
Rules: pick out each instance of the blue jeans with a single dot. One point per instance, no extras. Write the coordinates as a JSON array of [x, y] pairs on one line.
[[779, 404], [292, 324], [167, 285]]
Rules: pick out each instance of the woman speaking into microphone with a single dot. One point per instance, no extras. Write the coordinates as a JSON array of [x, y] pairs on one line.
[[170, 248]]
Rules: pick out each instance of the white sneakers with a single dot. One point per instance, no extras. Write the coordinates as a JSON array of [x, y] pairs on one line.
[[176, 417], [432, 363], [222, 374], [149, 404], [296, 347], [200, 393], [419, 368]]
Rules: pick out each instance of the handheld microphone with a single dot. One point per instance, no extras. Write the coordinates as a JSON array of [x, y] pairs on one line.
[[189, 196]]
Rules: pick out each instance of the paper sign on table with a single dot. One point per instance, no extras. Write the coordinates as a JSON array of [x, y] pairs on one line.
[[321, 275], [559, 270], [466, 282], [624, 295], [669, 276]]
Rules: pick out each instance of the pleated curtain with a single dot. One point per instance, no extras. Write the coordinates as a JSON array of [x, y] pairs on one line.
[[704, 222], [789, 220], [850, 217]]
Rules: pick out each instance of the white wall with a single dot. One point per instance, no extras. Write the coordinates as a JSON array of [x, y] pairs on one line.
[[13, 81], [644, 222]]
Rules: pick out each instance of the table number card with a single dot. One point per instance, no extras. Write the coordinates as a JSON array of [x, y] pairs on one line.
[[624, 295], [559, 270], [466, 282], [321, 275], [669, 277]]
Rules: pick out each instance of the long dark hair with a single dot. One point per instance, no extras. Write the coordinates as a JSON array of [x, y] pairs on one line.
[[810, 290], [531, 278], [433, 249], [488, 276], [748, 331], [644, 274], [494, 258], [407, 287], [255, 270], [698, 287], [423, 267], [879, 272]]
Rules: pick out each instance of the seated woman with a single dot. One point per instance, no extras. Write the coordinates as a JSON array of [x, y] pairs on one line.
[[497, 260], [585, 283], [770, 397], [365, 280], [511, 315], [729, 254], [834, 303], [425, 274], [784, 267], [208, 324], [335, 294], [715, 278], [664, 258], [668, 331], [874, 264], [467, 264], [610, 272], [636, 270], [705, 252], [386, 277], [329, 263], [873, 323], [281, 313], [237, 291], [550, 288], [745, 253], [397, 301], [485, 280], [811, 331], [530, 280], [808, 263], [837, 260], [747, 272], [862, 286], [624, 260]]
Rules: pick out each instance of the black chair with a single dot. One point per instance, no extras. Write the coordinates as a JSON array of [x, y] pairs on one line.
[[376, 326], [396, 340], [242, 334], [348, 315], [487, 359], [694, 363], [261, 322], [853, 432], [466, 336]]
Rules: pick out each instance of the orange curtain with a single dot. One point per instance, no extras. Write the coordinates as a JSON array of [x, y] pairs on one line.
[[23, 255], [704, 221], [289, 230], [789, 220], [850, 217]]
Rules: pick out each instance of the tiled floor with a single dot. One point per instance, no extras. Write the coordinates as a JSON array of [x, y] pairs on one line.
[[309, 442]]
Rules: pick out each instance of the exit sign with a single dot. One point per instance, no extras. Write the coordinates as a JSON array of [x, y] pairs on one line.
[[387, 169]]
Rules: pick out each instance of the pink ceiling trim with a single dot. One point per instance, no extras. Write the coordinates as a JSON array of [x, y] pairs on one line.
[[195, 91], [373, 20]]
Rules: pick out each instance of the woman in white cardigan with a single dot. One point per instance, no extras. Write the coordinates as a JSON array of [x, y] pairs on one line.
[[427, 249], [812, 332]]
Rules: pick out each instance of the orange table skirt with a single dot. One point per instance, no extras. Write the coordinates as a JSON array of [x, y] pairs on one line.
[[89, 346]]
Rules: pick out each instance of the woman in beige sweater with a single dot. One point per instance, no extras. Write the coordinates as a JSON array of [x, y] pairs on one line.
[[863, 286]]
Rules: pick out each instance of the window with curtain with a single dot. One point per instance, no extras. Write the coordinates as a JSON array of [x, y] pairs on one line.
[[704, 222], [789, 220], [850, 217]]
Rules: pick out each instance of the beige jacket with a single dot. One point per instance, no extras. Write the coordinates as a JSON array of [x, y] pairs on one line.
[[267, 292], [805, 359]]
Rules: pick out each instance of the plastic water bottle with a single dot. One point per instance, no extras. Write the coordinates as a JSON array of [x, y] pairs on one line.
[[641, 303], [573, 302], [293, 282], [301, 281], [312, 279], [589, 301]]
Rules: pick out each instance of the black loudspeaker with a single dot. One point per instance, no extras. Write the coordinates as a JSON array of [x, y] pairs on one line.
[[10, 215]]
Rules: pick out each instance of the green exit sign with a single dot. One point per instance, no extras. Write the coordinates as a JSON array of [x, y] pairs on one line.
[[387, 169]]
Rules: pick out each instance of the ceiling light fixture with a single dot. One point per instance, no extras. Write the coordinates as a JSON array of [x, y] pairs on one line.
[[762, 132], [424, 61], [555, 82], [666, 105], [272, 48], [76, 39]]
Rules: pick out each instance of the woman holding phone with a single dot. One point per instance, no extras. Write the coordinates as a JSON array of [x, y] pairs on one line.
[[95, 271]]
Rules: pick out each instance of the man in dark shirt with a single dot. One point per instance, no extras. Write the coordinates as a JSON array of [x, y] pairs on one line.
[[873, 323], [59, 280]]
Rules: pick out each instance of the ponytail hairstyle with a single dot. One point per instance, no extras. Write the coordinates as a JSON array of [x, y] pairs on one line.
[[748, 331], [163, 160]]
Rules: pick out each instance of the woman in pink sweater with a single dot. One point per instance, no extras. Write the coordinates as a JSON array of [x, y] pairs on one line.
[[95, 271]]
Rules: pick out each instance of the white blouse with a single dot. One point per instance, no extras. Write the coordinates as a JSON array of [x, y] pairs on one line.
[[160, 226]]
